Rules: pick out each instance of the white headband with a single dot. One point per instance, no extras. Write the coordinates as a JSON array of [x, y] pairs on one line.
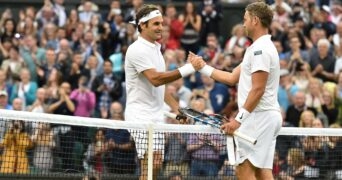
[[149, 16]]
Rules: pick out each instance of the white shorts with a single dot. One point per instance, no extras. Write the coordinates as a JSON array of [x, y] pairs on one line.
[[264, 126], [141, 142]]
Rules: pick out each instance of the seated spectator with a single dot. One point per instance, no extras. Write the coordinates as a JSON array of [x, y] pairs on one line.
[[329, 106], [13, 65], [94, 156], [121, 155], [25, 89], [314, 94], [295, 165], [15, 144], [287, 89], [306, 118]]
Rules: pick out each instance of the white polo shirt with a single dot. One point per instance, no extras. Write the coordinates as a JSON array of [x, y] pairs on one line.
[[260, 56], [144, 101]]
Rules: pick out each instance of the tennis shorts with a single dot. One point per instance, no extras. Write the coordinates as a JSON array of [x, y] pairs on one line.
[[141, 142], [264, 126]]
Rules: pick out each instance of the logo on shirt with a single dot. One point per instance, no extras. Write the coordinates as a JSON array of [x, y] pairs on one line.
[[257, 52], [241, 116]]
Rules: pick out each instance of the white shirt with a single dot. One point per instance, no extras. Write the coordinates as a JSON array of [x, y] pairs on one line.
[[144, 101], [260, 56]]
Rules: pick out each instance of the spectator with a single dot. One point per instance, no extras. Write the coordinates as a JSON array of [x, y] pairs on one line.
[[287, 89], [131, 11], [192, 23], [211, 14], [44, 142], [106, 87], [59, 9], [9, 29], [218, 93], [328, 106], [295, 165], [71, 22], [323, 65], [176, 155], [238, 38], [25, 89], [64, 105], [84, 98], [176, 26], [13, 65], [294, 111], [121, 155], [296, 57], [314, 94], [15, 144], [87, 12], [212, 50], [306, 119], [33, 55], [94, 156], [175, 176]]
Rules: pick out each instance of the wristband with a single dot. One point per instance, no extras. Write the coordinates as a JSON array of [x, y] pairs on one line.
[[207, 70], [186, 70], [242, 115]]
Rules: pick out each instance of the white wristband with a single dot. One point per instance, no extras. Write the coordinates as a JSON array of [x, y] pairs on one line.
[[242, 115], [186, 70], [207, 70]]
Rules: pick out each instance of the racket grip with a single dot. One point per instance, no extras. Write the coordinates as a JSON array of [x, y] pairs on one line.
[[170, 115], [245, 137]]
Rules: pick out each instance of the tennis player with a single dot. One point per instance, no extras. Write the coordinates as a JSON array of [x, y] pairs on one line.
[[145, 83], [258, 80]]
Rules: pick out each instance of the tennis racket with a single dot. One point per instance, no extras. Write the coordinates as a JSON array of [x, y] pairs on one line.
[[212, 120]]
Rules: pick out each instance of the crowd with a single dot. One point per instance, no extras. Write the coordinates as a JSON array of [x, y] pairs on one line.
[[70, 62]]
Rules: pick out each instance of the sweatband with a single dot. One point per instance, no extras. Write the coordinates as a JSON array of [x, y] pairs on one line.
[[186, 70], [242, 115], [207, 70], [149, 16]]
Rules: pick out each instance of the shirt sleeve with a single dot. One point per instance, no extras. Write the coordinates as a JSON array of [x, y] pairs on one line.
[[261, 60]]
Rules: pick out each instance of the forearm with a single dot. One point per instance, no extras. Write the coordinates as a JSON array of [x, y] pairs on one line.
[[162, 78], [227, 77], [253, 99], [171, 101]]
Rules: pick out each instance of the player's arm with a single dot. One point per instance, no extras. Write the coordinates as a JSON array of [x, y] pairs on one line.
[[259, 80], [160, 78], [229, 78], [171, 101]]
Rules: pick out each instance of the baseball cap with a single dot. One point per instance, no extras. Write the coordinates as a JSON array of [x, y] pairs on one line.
[[3, 93], [284, 72]]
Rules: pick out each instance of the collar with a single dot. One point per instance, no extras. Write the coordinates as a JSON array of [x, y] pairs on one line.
[[261, 39], [144, 41]]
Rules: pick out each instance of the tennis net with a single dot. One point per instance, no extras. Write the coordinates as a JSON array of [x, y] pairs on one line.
[[47, 146]]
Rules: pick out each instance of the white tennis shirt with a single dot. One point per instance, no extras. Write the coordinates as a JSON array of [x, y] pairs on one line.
[[260, 56], [144, 101]]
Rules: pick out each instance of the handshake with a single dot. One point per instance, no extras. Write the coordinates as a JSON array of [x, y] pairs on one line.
[[195, 63]]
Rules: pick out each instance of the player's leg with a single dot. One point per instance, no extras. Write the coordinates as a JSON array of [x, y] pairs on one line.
[[143, 168], [157, 163], [245, 171], [264, 174]]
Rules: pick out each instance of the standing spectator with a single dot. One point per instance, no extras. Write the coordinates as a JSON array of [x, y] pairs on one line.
[[15, 144], [176, 26], [65, 106], [211, 13], [287, 89], [295, 165], [13, 65], [238, 38], [106, 87], [33, 55], [192, 23], [59, 9], [132, 11], [71, 22], [44, 142], [329, 106]]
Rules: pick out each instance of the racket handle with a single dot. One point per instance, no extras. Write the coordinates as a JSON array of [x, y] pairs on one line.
[[245, 137], [170, 115]]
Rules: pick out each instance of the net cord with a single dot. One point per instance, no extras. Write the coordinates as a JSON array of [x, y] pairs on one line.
[[105, 123]]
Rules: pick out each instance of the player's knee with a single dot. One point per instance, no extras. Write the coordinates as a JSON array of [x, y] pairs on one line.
[[263, 174]]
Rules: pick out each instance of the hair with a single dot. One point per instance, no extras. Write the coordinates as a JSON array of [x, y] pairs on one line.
[[143, 11], [262, 11], [297, 157]]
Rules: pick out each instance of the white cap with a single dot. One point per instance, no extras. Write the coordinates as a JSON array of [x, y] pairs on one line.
[[284, 72]]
